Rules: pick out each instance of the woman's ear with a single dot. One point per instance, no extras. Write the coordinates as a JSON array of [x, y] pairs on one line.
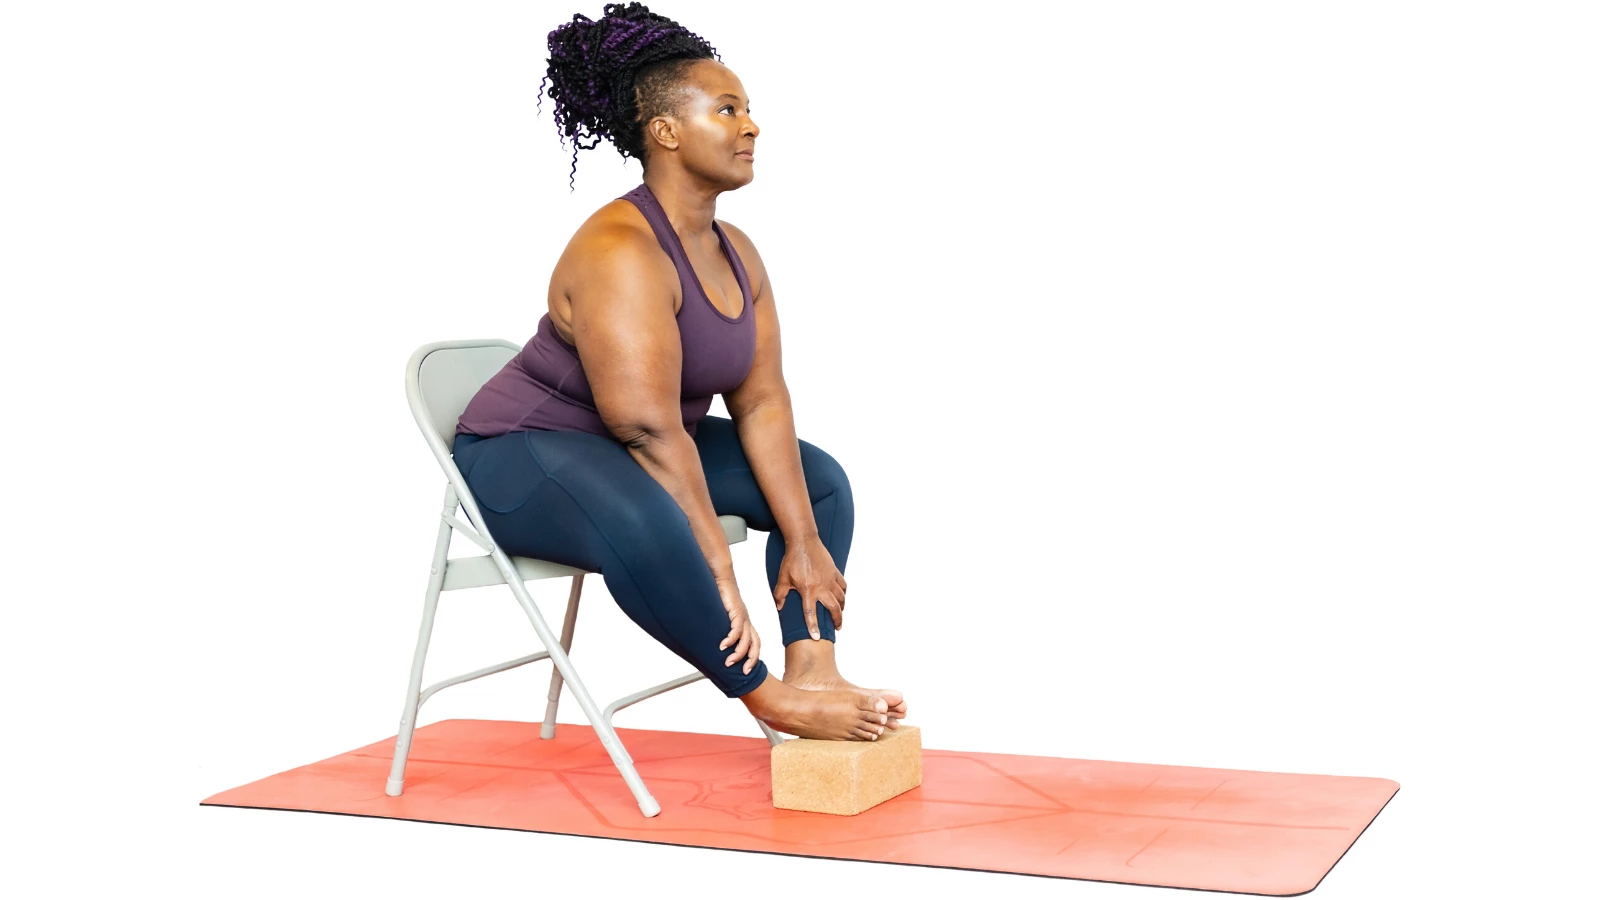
[[663, 130]]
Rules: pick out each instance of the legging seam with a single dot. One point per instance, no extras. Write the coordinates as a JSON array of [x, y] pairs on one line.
[[540, 463], [621, 560], [833, 514]]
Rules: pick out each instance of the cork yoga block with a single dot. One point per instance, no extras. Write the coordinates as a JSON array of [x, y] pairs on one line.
[[846, 777]]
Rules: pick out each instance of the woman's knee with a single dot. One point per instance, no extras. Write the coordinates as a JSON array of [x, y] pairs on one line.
[[824, 475]]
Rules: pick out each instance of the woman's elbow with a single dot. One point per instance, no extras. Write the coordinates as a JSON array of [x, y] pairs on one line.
[[639, 432]]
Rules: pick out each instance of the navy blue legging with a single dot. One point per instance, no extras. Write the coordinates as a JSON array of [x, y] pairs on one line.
[[582, 500]]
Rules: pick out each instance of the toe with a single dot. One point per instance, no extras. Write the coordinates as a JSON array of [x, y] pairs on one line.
[[895, 700], [873, 722]]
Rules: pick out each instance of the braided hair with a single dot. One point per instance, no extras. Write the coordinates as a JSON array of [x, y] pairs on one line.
[[609, 77]]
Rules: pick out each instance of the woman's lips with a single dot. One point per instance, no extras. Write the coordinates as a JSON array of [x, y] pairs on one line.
[[746, 154]]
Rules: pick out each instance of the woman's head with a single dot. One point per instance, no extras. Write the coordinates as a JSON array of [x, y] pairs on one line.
[[656, 90]]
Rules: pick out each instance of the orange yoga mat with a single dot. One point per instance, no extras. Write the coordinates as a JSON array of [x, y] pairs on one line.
[[1212, 829]]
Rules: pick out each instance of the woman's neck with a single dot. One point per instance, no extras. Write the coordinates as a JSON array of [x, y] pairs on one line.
[[690, 208]]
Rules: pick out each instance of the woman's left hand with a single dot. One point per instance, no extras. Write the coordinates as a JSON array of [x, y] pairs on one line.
[[808, 567]]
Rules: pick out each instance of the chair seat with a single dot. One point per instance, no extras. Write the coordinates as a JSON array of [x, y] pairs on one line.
[[480, 571]]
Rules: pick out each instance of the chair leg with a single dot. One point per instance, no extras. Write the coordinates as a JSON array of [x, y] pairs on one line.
[[408, 714], [548, 729], [558, 654]]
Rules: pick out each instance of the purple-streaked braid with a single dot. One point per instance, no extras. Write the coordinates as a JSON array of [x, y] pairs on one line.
[[609, 77]]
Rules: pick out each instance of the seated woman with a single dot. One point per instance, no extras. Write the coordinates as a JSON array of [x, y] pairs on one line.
[[592, 446]]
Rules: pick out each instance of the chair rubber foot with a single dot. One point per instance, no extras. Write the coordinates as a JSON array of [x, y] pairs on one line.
[[547, 730], [649, 807], [392, 788]]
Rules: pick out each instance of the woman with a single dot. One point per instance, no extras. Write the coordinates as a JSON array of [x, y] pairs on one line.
[[592, 446]]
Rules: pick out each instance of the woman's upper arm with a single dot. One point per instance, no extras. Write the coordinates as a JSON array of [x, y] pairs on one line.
[[627, 335], [764, 384]]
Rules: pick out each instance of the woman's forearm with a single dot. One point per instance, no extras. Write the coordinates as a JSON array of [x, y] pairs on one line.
[[772, 448], [673, 460]]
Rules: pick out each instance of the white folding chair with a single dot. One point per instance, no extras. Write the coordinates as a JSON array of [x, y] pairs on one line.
[[440, 378]]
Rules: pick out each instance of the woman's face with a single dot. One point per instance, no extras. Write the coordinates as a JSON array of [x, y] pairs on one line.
[[714, 136]]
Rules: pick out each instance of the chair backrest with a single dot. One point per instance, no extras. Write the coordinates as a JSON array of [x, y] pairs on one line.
[[443, 376], [440, 380]]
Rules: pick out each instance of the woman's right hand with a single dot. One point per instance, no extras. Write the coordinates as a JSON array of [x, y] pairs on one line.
[[742, 635]]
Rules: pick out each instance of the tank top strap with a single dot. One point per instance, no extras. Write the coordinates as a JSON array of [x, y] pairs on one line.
[[645, 199]]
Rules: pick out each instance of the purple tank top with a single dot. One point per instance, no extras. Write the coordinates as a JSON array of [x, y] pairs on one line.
[[544, 387]]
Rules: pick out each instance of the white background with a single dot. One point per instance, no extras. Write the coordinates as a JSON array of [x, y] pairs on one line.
[[1217, 383]]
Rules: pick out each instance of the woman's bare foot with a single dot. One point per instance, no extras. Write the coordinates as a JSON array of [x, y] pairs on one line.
[[811, 665], [831, 680], [818, 714]]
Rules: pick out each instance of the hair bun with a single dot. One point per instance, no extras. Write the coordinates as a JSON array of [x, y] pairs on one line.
[[592, 66]]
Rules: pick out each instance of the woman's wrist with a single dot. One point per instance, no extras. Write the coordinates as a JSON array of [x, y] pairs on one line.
[[803, 537]]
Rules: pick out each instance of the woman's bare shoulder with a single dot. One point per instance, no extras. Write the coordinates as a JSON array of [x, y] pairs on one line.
[[616, 229], [615, 245], [617, 222]]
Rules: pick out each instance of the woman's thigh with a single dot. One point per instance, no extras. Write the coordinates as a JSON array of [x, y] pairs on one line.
[[583, 500], [732, 483], [567, 496]]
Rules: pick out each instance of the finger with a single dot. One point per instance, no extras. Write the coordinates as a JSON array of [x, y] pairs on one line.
[[733, 638], [831, 603], [835, 608], [744, 643], [810, 607], [755, 652], [781, 592]]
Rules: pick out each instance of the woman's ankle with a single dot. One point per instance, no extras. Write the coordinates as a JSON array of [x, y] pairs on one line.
[[807, 655], [764, 700]]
